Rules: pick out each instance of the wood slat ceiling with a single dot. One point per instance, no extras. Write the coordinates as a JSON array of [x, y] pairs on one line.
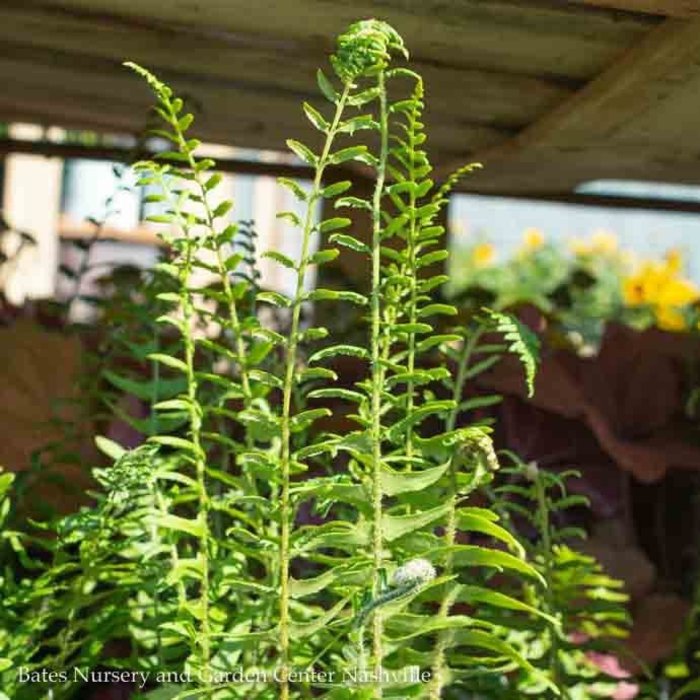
[[547, 93]]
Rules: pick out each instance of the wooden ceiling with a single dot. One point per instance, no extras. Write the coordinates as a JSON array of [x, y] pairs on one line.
[[546, 93]]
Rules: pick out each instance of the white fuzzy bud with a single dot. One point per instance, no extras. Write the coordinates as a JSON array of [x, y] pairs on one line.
[[414, 573], [531, 471]]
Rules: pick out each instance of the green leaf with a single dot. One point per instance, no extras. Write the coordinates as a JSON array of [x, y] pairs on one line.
[[323, 256], [303, 420], [334, 350], [300, 588], [395, 483], [353, 203], [108, 447], [470, 638], [6, 481], [472, 520], [477, 594], [258, 375], [176, 442], [435, 309], [175, 522], [691, 687], [303, 630], [144, 390], [294, 187], [312, 373], [412, 328], [418, 415], [222, 209], [437, 340], [169, 361], [185, 568], [274, 298], [431, 258], [316, 118], [213, 182], [336, 393], [348, 241], [346, 154], [290, 216], [363, 121], [172, 405], [335, 295], [325, 86], [281, 258], [302, 152], [524, 344], [472, 555], [336, 188], [395, 526], [334, 224], [168, 691], [364, 97]]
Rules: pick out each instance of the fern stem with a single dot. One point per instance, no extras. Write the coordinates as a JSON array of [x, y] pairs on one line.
[[546, 551], [445, 636], [377, 386], [200, 470], [195, 425], [233, 320], [289, 373], [413, 277]]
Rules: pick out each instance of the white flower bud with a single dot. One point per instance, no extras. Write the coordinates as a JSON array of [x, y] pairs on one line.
[[414, 573], [531, 471]]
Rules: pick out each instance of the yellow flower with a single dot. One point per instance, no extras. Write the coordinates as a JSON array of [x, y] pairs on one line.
[[674, 260], [580, 246], [600, 243], [533, 239], [633, 291], [604, 242], [483, 254], [659, 286], [669, 318], [642, 287], [677, 292]]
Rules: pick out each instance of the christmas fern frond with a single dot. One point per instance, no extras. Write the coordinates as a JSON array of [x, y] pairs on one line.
[[523, 343]]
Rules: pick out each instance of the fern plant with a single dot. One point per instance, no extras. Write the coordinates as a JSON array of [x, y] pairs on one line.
[[241, 534], [585, 609]]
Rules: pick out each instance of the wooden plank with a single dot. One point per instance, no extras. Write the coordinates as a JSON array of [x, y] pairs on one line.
[[543, 39], [607, 201], [666, 8], [487, 97], [125, 155], [584, 137], [71, 229], [76, 92]]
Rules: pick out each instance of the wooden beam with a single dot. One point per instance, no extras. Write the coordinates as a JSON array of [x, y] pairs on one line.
[[125, 155], [665, 8], [676, 206], [555, 39], [78, 91], [267, 168], [45, 35], [597, 115], [70, 229]]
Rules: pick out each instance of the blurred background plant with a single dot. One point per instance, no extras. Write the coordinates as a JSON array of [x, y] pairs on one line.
[[580, 285]]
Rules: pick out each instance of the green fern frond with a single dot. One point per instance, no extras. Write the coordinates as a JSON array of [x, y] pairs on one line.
[[524, 343]]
